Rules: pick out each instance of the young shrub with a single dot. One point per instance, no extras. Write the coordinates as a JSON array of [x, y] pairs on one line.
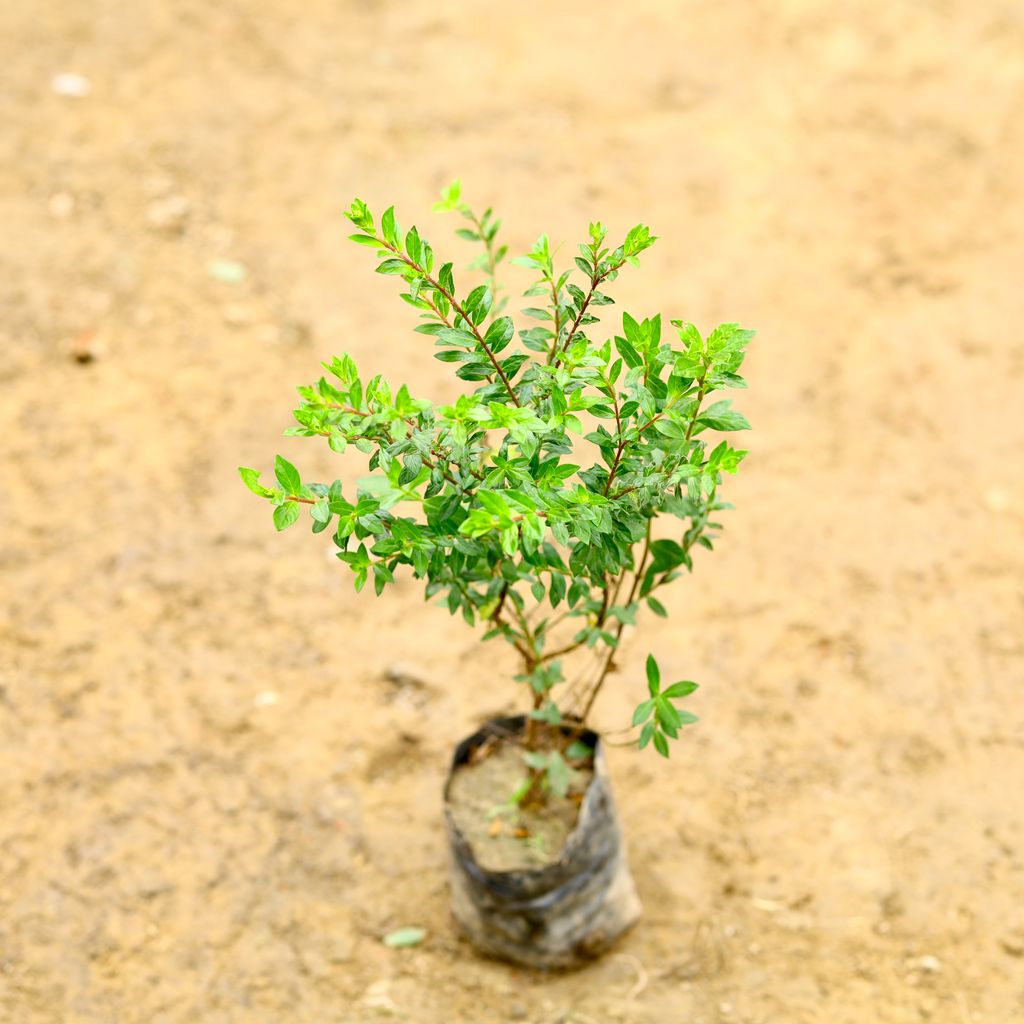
[[527, 506]]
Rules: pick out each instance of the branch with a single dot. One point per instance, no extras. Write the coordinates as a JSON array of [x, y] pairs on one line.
[[620, 628], [492, 263], [409, 422], [701, 395], [594, 282], [435, 284]]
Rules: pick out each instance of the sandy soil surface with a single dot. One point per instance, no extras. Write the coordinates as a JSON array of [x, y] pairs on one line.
[[213, 803]]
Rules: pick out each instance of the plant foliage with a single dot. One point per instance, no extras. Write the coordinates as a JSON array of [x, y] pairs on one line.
[[526, 506]]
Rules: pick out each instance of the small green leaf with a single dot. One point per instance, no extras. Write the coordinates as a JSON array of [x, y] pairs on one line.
[[251, 477], [653, 676], [389, 228], [287, 475], [401, 938], [645, 735], [578, 750], [721, 417], [286, 514], [558, 774], [657, 607], [680, 689], [412, 245], [643, 712], [499, 334]]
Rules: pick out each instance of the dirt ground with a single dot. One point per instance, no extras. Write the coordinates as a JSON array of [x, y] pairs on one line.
[[213, 802]]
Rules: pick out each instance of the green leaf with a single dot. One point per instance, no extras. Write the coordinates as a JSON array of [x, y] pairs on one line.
[[653, 676], [499, 334], [645, 735], [578, 750], [413, 247], [667, 715], [251, 477], [389, 227], [630, 356], [449, 197], [287, 475], [643, 712], [721, 417], [657, 607], [286, 514], [661, 744], [401, 938], [493, 502], [680, 689], [558, 774], [667, 554]]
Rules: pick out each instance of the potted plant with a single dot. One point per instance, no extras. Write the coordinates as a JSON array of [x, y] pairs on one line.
[[528, 506]]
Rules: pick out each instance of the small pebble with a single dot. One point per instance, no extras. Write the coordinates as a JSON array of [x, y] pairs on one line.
[[71, 85], [377, 996], [85, 347], [930, 964], [228, 271], [168, 215], [265, 699], [61, 205]]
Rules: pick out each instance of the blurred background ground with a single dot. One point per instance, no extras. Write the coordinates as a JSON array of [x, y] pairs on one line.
[[212, 800]]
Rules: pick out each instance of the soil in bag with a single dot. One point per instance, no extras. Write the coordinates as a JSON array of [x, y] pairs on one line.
[[545, 886]]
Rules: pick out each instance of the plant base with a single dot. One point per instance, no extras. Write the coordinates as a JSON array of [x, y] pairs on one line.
[[558, 916]]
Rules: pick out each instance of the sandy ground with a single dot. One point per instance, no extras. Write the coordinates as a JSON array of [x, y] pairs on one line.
[[213, 804]]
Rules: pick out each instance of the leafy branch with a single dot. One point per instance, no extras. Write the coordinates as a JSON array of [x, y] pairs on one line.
[[412, 261], [529, 504]]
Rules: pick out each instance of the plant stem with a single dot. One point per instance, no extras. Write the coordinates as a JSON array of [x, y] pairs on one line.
[[558, 316], [434, 283], [637, 579], [492, 263], [595, 280]]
